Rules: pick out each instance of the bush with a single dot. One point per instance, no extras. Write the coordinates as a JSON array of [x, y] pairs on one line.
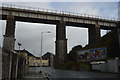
[[68, 65], [71, 66], [84, 65]]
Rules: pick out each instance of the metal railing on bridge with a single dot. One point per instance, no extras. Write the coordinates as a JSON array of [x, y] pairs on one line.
[[57, 12]]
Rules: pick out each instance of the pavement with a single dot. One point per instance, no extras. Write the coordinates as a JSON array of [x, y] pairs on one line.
[[34, 74]]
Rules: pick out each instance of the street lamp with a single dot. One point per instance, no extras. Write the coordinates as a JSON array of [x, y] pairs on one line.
[[42, 43], [19, 44]]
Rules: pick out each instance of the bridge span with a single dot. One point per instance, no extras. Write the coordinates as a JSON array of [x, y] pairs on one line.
[[61, 19], [37, 15]]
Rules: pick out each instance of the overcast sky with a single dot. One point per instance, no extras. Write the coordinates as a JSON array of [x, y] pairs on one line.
[[29, 34]]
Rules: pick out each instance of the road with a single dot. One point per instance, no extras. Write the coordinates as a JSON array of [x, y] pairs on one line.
[[33, 74], [77, 75]]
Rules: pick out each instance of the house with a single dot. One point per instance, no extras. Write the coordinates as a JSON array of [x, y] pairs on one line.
[[50, 57], [31, 60]]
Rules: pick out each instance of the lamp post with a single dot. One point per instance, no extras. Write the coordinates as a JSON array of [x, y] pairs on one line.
[[42, 43], [19, 44]]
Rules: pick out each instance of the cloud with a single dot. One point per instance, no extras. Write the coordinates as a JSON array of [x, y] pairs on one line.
[[91, 8], [30, 4], [60, 1]]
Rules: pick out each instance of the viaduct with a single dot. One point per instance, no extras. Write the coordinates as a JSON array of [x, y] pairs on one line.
[[61, 19]]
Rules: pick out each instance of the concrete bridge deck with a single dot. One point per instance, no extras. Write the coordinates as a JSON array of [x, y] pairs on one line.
[[37, 15]]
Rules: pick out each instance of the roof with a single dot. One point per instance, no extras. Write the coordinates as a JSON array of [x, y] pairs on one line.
[[29, 54], [47, 55]]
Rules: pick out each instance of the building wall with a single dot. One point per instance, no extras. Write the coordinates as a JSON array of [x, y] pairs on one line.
[[38, 62], [31, 60], [45, 62], [51, 60], [24, 55], [110, 66]]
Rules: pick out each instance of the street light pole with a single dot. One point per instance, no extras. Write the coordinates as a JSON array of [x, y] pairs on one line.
[[42, 43]]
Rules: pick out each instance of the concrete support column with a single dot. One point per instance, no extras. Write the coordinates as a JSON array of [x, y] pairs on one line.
[[9, 40], [8, 47], [94, 34], [61, 44], [5, 65]]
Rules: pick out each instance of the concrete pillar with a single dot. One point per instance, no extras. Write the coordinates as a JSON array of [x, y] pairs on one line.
[[94, 34], [9, 40], [5, 65], [61, 44], [8, 47]]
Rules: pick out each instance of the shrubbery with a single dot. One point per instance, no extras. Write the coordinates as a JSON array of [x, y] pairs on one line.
[[71, 66]]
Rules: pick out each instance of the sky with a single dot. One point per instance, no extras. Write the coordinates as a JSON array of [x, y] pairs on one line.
[[29, 34]]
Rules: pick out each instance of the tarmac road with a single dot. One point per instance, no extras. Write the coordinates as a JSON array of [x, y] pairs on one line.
[[76, 75]]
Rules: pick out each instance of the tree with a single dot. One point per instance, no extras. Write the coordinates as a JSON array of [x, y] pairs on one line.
[[73, 53]]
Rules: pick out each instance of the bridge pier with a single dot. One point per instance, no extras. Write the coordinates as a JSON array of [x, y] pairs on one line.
[[61, 45], [9, 40], [8, 47], [94, 34]]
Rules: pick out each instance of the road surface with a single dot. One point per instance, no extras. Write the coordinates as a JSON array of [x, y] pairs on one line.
[[77, 75], [34, 74]]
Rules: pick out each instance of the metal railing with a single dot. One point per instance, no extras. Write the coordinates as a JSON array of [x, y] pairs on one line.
[[57, 12]]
